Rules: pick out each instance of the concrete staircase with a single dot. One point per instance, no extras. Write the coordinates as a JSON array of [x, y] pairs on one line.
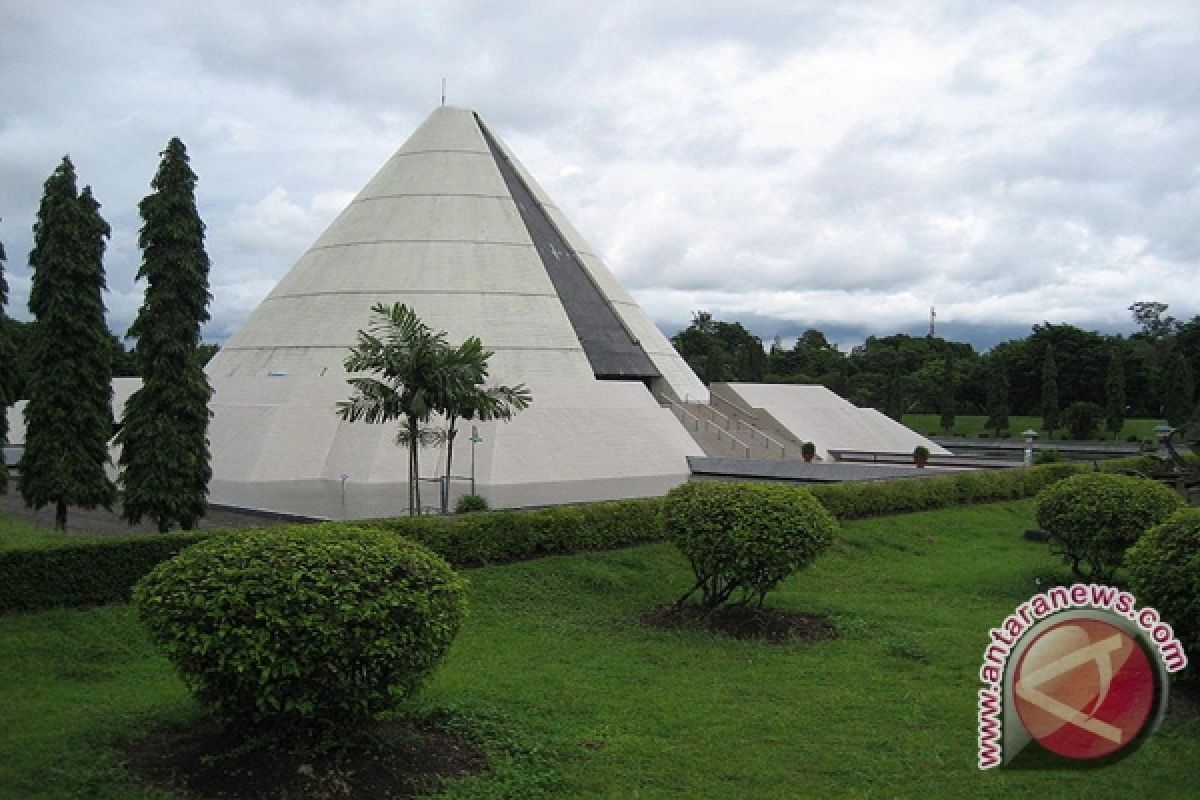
[[723, 399], [723, 435]]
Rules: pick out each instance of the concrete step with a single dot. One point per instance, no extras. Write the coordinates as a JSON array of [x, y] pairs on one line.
[[718, 444], [720, 437], [763, 445], [726, 402]]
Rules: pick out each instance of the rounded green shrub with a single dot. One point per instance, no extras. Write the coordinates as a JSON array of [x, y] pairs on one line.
[[1093, 518], [470, 502], [302, 633], [1047, 455], [1164, 572], [745, 537]]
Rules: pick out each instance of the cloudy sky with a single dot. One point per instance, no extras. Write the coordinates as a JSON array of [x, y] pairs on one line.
[[787, 164]]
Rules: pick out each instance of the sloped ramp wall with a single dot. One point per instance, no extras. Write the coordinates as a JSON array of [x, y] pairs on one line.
[[814, 414]]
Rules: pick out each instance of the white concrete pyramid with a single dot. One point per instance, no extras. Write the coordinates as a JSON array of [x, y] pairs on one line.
[[439, 228], [455, 227]]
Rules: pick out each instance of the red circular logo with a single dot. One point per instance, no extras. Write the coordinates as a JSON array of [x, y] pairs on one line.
[[1084, 688]]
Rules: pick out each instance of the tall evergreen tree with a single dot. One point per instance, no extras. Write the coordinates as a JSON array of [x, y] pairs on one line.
[[1192, 433], [68, 419], [946, 400], [1178, 391], [164, 435], [893, 394], [1114, 392], [1050, 409], [7, 356], [997, 398]]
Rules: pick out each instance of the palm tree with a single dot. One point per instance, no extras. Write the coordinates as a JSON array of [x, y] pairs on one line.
[[484, 403], [417, 371]]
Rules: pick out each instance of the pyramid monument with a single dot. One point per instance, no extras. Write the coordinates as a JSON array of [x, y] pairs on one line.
[[455, 227]]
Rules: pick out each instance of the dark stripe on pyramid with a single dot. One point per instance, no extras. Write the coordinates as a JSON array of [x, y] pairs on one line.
[[610, 349]]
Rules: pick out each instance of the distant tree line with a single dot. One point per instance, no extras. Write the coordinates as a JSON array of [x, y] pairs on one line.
[[1058, 367]]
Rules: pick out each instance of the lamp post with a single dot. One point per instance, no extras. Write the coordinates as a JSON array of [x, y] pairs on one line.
[[1030, 434], [475, 439], [1163, 434]]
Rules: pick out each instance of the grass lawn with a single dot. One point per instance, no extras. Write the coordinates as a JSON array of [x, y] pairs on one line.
[[972, 425], [603, 707], [16, 534]]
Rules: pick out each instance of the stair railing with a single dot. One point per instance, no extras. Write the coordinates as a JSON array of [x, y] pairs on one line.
[[721, 434], [731, 423]]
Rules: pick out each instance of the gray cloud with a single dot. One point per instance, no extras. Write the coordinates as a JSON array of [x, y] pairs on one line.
[[1146, 68], [792, 164]]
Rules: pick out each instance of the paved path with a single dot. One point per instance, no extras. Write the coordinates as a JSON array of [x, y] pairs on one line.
[[101, 521]]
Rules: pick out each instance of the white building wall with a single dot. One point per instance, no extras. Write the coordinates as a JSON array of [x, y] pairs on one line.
[[279, 445], [815, 414]]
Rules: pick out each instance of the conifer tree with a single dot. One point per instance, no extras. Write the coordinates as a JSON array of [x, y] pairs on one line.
[[946, 399], [1050, 409], [164, 435], [1114, 392], [68, 419], [1178, 391], [1192, 432], [7, 354], [997, 398]]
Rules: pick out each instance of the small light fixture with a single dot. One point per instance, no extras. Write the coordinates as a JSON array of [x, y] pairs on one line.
[[475, 439], [1030, 434]]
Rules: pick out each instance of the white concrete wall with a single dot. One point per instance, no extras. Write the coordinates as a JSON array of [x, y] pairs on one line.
[[123, 388], [278, 445], [815, 414]]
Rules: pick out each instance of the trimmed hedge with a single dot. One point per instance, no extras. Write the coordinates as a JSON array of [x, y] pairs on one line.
[[84, 573], [104, 572], [495, 537], [1145, 464], [874, 498]]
